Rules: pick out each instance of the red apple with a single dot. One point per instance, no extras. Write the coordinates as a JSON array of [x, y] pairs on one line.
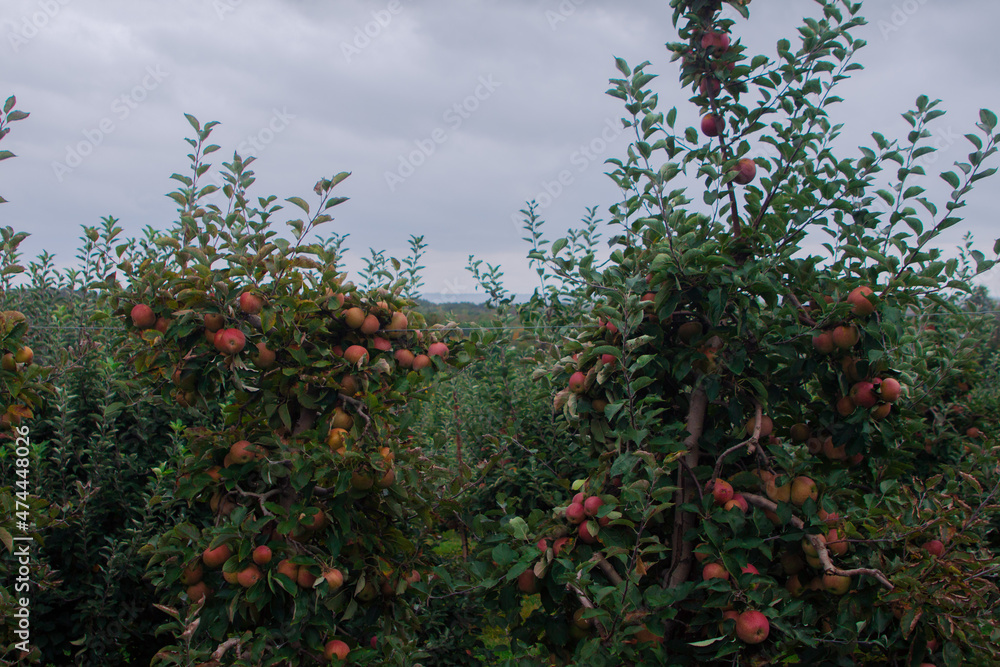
[[143, 316], [890, 390], [863, 394], [752, 627], [846, 336], [370, 325], [264, 358], [591, 505], [746, 170], [576, 382], [356, 355], [717, 40], [334, 578], [710, 86], [421, 361], [858, 298], [242, 452], [714, 571], [404, 358], [397, 325], [437, 350], [527, 582], [585, 533], [214, 321], [230, 341], [213, 558], [823, 342], [711, 125], [934, 547], [262, 555], [739, 502], [576, 513], [251, 304], [336, 648], [249, 576], [722, 491]]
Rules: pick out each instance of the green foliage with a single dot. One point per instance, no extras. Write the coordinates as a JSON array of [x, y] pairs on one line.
[[698, 331]]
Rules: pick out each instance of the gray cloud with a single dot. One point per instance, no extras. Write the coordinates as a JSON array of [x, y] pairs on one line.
[[366, 84]]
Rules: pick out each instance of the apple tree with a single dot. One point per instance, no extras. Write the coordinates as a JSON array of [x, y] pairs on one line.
[[308, 506], [750, 386]]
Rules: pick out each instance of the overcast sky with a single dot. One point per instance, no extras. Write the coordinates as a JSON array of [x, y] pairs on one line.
[[450, 113]]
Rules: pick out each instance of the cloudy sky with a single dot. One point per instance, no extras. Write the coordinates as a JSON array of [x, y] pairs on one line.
[[450, 113]]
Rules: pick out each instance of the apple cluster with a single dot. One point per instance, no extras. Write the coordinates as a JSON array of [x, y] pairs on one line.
[[14, 361]]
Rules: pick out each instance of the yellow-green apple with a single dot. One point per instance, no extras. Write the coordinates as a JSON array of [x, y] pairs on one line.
[[803, 488], [752, 627], [25, 355], [766, 426], [777, 493], [794, 586], [143, 316], [836, 583], [354, 317], [8, 362]]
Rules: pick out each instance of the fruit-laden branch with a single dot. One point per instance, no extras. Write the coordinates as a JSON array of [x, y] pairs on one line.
[[750, 443], [680, 566], [729, 186], [360, 407], [819, 544], [261, 497], [607, 568], [587, 604]]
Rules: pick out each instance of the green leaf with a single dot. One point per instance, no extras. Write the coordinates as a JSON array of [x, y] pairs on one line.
[[952, 179], [988, 118], [301, 203]]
